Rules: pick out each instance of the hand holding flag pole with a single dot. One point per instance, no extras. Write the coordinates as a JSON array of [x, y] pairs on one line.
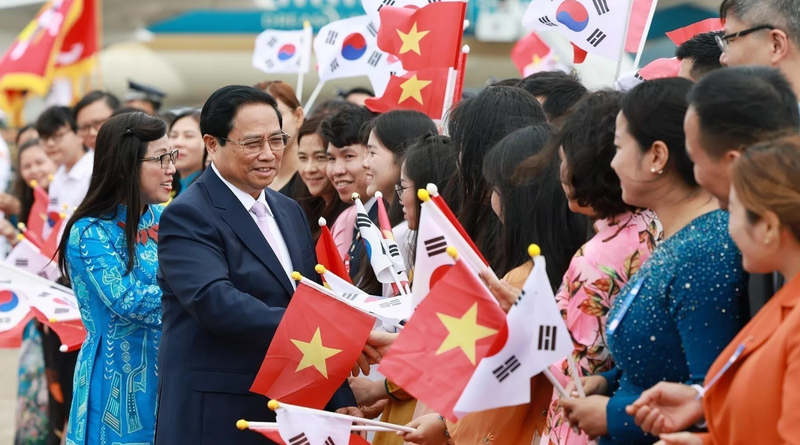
[[249, 425], [275, 405]]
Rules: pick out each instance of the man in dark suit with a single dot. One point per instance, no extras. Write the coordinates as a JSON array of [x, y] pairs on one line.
[[227, 247]]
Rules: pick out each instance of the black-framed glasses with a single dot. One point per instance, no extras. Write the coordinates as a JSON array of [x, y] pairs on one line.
[[255, 145], [164, 159], [724, 41], [399, 189]]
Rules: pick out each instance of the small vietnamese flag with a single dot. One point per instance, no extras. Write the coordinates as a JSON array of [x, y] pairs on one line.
[[314, 349], [428, 37], [421, 91], [37, 217], [328, 254], [440, 347], [681, 35], [660, 69], [529, 52]]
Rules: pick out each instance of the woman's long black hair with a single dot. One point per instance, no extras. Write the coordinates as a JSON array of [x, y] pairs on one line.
[[121, 144], [476, 125], [536, 211]]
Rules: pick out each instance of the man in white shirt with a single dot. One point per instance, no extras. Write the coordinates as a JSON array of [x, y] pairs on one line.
[[58, 132]]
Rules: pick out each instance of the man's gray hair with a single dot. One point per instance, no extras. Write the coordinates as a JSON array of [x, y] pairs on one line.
[[782, 14]]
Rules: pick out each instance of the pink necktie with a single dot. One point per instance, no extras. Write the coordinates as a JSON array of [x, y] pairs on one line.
[[262, 217]]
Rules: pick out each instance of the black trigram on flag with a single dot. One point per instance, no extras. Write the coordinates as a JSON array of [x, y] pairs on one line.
[[349, 296], [596, 37], [601, 6], [521, 294], [331, 39], [547, 338], [334, 65], [53, 201], [21, 262], [546, 21], [639, 76], [394, 250], [329, 441], [363, 221], [390, 303], [436, 246], [44, 295], [375, 58], [270, 63], [272, 42], [300, 439], [5, 320], [372, 29], [433, 1], [503, 371], [386, 3]]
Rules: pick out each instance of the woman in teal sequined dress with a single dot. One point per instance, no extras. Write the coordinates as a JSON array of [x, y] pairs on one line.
[[110, 256]]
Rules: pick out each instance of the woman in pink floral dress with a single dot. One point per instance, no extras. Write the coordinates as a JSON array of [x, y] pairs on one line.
[[625, 236]]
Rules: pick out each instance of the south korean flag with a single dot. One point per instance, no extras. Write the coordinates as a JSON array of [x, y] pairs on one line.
[[286, 52], [596, 26], [535, 338], [349, 48]]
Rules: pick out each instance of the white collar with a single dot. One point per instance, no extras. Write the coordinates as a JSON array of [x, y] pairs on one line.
[[243, 197], [83, 167]]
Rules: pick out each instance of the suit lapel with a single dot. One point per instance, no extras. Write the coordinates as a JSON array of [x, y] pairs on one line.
[[239, 219], [288, 230]]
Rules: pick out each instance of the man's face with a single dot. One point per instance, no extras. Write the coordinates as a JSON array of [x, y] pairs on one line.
[[346, 170], [64, 146], [751, 49], [249, 169], [712, 174]]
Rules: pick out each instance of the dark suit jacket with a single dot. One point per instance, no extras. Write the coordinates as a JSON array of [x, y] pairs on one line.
[[224, 295]]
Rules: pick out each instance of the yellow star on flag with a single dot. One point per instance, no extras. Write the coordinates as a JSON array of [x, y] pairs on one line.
[[411, 40], [463, 332], [412, 88], [315, 354]]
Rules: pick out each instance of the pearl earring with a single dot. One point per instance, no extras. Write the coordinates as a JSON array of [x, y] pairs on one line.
[[652, 169]]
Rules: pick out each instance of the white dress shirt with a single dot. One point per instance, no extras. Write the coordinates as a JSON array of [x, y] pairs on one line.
[[281, 251], [69, 187]]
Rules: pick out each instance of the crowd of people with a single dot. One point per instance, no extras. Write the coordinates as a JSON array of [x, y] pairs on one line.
[[668, 214]]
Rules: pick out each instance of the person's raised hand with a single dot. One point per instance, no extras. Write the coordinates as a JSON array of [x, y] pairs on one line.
[[588, 414], [367, 392], [355, 412], [666, 408], [378, 345], [430, 430], [593, 384], [504, 293]]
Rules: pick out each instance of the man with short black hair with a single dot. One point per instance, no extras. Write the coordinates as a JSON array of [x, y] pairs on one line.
[[58, 132], [762, 32], [557, 91], [227, 248], [730, 110], [345, 133], [699, 55]]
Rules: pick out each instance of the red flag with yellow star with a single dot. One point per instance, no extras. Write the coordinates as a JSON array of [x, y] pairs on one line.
[[428, 37], [314, 349], [421, 91], [451, 331]]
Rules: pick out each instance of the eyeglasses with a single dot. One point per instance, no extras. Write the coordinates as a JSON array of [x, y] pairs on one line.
[[277, 143], [85, 128], [56, 137], [724, 41], [164, 159], [399, 189]]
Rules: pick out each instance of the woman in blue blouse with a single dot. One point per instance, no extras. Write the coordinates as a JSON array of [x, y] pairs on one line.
[[683, 306], [110, 256]]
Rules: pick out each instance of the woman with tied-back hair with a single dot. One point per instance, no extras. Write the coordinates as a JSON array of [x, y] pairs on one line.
[[185, 136], [110, 257]]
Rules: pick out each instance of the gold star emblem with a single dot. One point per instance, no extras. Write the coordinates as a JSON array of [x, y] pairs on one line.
[[463, 332], [314, 354], [411, 40], [412, 88]]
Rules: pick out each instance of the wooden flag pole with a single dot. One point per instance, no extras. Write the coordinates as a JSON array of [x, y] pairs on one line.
[[462, 70], [313, 97], [246, 424], [275, 405]]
